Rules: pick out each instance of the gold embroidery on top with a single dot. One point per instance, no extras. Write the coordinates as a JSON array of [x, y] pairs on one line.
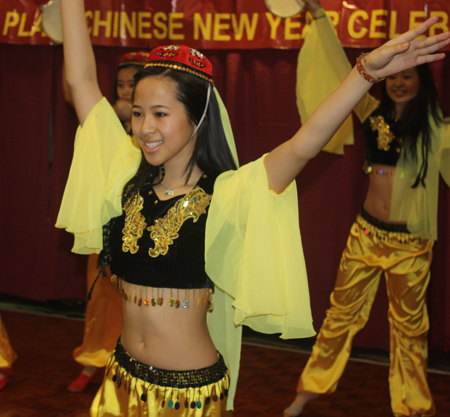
[[385, 136], [165, 230], [134, 223]]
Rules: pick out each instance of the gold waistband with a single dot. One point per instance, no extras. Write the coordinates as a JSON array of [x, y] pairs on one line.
[[382, 231]]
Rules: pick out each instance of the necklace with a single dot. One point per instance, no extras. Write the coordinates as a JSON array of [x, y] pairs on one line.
[[170, 191]]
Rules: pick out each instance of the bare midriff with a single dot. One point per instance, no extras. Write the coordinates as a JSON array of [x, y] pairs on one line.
[[379, 196], [167, 337]]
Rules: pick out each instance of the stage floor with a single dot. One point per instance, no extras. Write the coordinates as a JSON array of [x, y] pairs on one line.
[[269, 372]]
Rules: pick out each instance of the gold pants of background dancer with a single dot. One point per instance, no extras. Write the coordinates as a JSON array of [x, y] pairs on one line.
[[405, 262], [103, 320], [7, 354]]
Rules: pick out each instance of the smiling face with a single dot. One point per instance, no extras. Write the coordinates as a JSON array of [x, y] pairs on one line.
[[160, 123], [402, 88], [125, 83]]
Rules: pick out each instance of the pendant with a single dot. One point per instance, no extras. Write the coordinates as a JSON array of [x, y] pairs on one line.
[[169, 191]]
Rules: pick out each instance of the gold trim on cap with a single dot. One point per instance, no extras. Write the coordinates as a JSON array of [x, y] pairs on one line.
[[181, 68]]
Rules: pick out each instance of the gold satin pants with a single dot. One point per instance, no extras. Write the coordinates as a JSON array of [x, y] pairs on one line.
[[103, 320], [131, 389], [7, 354], [405, 262]]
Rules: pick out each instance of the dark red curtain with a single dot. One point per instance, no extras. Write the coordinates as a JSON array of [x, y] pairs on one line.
[[258, 87]]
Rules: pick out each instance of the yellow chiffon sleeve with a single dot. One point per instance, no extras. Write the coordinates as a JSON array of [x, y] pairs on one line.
[[443, 156], [321, 67], [104, 160], [254, 256], [418, 206]]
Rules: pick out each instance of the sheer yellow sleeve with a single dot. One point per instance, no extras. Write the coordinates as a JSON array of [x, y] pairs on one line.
[[254, 255], [443, 155], [103, 162], [418, 206], [321, 67]]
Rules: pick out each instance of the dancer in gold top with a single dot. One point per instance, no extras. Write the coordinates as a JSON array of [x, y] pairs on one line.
[[406, 142]]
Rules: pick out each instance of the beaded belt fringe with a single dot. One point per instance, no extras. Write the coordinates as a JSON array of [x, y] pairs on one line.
[[125, 369], [141, 298]]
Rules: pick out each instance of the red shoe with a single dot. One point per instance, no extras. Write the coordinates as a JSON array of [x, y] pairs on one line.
[[6, 372], [82, 381]]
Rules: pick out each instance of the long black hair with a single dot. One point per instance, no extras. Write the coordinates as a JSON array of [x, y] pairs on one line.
[[211, 151], [414, 122]]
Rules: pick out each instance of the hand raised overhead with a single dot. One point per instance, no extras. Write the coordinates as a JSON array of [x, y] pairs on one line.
[[405, 51]]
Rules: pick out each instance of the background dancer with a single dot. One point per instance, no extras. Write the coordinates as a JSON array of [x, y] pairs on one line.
[[392, 235]]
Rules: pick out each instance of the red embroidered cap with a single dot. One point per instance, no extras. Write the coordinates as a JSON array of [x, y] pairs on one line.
[[182, 58], [135, 58]]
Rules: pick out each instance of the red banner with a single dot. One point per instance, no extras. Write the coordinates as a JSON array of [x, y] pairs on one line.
[[224, 24]]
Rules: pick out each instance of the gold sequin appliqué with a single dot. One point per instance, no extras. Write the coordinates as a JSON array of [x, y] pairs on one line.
[[385, 136], [134, 223], [165, 230]]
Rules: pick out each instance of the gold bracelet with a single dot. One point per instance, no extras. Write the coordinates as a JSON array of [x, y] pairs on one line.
[[362, 71]]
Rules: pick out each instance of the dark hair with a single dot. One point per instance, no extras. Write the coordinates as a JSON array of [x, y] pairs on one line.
[[121, 67], [211, 152], [414, 123]]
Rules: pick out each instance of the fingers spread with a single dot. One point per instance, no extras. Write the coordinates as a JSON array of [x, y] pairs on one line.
[[414, 33], [422, 28], [432, 44], [430, 58]]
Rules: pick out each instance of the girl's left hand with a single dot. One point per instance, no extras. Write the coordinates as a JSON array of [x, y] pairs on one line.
[[405, 51], [123, 110]]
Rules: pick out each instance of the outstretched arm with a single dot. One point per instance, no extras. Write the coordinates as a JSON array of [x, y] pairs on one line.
[[285, 162], [79, 60]]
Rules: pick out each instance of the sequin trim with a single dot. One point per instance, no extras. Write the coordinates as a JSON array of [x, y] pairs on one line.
[[165, 230], [367, 168], [196, 63], [168, 55], [197, 54], [385, 136], [165, 378], [134, 223], [171, 48], [180, 67]]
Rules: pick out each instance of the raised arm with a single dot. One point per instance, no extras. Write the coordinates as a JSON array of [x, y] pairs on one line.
[[285, 162], [79, 60], [322, 66]]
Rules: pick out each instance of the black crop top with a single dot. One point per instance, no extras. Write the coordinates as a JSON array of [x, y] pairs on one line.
[[383, 144], [162, 243]]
